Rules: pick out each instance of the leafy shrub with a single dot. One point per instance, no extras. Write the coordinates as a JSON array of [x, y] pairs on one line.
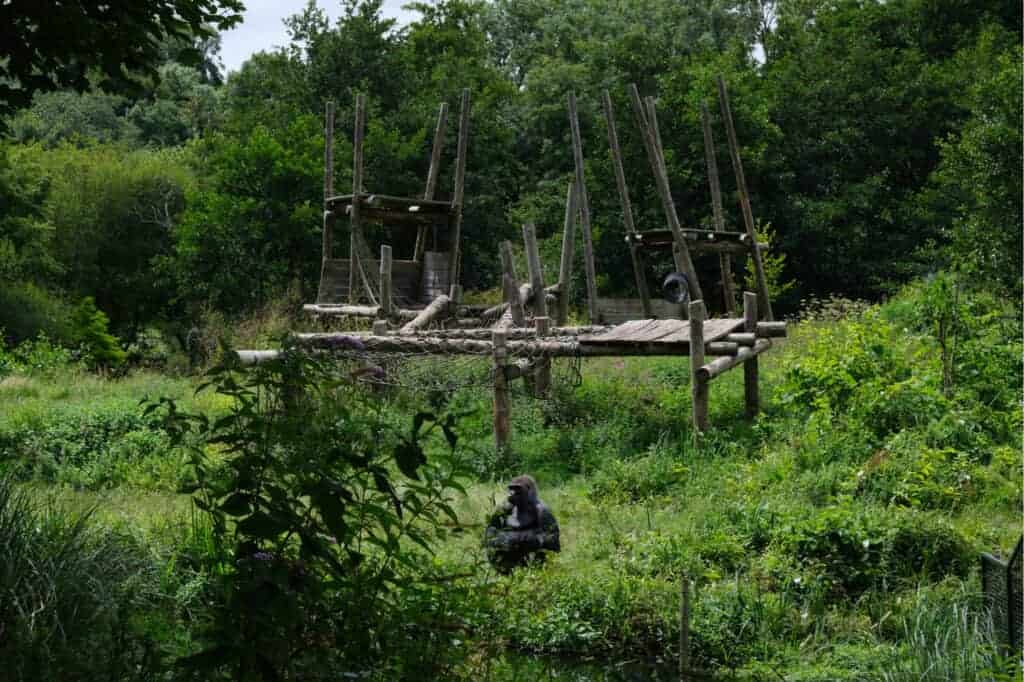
[[89, 330], [27, 312], [315, 533], [653, 475], [861, 548], [38, 356]]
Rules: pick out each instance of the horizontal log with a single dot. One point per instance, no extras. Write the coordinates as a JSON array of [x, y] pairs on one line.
[[373, 311], [771, 329], [484, 333], [741, 338], [718, 367], [389, 202]]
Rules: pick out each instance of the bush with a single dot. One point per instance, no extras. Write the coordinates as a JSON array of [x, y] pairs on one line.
[[653, 475]]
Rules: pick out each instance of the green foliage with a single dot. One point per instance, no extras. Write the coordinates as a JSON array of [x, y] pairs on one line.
[[654, 475], [89, 330], [317, 536]]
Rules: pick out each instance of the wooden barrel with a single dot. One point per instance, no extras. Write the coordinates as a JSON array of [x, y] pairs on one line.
[[436, 276]]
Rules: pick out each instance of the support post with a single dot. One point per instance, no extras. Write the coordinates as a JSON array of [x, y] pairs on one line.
[[751, 393], [698, 385], [502, 405], [568, 247], [458, 198], [328, 225], [724, 259], [380, 328], [357, 188], [764, 302], [542, 376], [684, 627], [627, 208], [385, 281], [510, 282], [581, 188], [680, 251], [432, 173], [540, 303]]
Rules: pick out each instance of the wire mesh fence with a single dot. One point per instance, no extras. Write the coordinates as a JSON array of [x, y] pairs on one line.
[[1002, 584]]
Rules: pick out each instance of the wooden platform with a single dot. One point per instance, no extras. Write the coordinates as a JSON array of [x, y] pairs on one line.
[[619, 310], [661, 332], [698, 241]]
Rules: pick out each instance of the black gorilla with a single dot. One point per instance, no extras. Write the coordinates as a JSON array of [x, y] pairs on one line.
[[522, 529]]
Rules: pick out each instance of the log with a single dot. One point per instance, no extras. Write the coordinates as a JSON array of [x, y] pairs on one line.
[[502, 403], [380, 328], [327, 246], [512, 333], [357, 188], [771, 329], [635, 256], [460, 188], [510, 284], [763, 301], [385, 281], [751, 393], [568, 247], [330, 310], [724, 261], [540, 303], [680, 251], [432, 173], [719, 366], [581, 188], [698, 385], [741, 338], [542, 377], [439, 307]]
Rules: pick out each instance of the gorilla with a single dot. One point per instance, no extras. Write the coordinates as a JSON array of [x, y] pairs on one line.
[[522, 530]]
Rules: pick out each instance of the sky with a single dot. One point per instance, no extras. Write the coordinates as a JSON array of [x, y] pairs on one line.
[[262, 26]]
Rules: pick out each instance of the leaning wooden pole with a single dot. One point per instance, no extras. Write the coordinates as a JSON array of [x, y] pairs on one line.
[[581, 188], [357, 189], [438, 308], [764, 302], [698, 385], [724, 259], [502, 403], [328, 234], [539, 303], [432, 173], [627, 208], [568, 248], [680, 251], [510, 284], [385, 282], [459, 196], [751, 394]]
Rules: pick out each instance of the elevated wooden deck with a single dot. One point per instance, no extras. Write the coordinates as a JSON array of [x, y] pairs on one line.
[[667, 333]]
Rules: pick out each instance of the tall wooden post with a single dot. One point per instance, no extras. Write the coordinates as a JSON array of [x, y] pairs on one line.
[[432, 173], [511, 285], [328, 234], [764, 302], [724, 259], [385, 281], [460, 188], [680, 251], [627, 207], [502, 405], [357, 188], [581, 188], [568, 247], [684, 627], [540, 303], [751, 394], [698, 385]]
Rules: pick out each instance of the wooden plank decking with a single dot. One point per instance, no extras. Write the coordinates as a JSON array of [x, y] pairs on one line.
[[661, 332]]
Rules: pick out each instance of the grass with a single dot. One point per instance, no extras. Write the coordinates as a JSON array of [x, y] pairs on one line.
[[835, 537]]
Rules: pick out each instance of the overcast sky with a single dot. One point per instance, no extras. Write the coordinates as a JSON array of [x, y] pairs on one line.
[[262, 26]]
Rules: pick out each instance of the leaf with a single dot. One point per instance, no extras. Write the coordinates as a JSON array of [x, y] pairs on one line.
[[409, 457], [237, 504], [384, 485], [260, 526], [419, 419]]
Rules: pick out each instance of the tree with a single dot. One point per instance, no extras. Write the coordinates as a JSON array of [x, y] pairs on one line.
[[49, 46]]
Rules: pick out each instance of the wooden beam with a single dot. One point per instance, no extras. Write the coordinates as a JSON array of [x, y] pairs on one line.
[[355, 226], [510, 282], [680, 251], [542, 375], [764, 301], [327, 246], [568, 248], [771, 329], [385, 281], [721, 365], [581, 188], [724, 260], [751, 394], [439, 307], [502, 402], [540, 304], [639, 271], [458, 200], [698, 385], [432, 173]]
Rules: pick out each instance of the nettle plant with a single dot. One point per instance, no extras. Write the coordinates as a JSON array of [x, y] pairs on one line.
[[320, 512]]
